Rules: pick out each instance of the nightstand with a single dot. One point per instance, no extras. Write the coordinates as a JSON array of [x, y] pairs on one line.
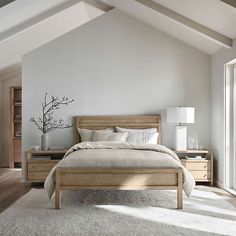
[[201, 169], [39, 164]]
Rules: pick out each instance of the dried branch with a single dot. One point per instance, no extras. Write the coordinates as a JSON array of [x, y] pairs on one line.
[[37, 124], [47, 122]]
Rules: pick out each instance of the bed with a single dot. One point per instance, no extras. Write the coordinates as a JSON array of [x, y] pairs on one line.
[[113, 178]]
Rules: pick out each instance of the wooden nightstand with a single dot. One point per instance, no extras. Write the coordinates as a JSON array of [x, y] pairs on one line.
[[37, 169], [201, 169]]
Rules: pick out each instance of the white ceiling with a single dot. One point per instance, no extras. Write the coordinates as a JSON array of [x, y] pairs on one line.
[[19, 43], [213, 14], [27, 24], [20, 11]]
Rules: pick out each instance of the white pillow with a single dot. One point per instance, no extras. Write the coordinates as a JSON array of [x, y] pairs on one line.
[[104, 136], [140, 136], [86, 135]]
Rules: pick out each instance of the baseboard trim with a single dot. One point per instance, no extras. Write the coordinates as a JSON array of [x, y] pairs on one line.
[[219, 183], [231, 191]]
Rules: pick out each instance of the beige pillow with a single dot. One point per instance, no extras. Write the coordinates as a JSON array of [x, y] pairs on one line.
[[86, 135], [102, 136]]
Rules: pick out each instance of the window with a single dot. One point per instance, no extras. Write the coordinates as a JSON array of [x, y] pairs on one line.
[[230, 127]]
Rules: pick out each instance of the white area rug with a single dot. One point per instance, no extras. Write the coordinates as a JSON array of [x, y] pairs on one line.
[[119, 213]]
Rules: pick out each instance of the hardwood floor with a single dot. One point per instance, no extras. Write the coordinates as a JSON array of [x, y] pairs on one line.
[[10, 187], [221, 193]]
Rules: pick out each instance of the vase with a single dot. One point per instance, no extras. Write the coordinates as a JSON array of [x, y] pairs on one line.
[[44, 141]]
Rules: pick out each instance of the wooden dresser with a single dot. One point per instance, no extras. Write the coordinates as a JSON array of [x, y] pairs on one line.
[[38, 168], [201, 169]]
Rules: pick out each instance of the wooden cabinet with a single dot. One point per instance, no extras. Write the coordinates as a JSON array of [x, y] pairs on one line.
[[38, 169], [15, 127], [201, 169]]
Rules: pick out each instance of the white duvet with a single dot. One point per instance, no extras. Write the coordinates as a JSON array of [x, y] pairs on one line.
[[119, 155]]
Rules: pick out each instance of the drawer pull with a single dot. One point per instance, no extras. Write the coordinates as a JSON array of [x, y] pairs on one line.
[[205, 167], [205, 176]]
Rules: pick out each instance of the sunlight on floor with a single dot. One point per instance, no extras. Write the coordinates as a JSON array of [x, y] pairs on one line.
[[177, 218], [221, 211], [205, 195]]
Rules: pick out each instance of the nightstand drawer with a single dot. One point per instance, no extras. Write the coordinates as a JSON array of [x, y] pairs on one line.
[[38, 175], [201, 175], [41, 166], [197, 165], [201, 169]]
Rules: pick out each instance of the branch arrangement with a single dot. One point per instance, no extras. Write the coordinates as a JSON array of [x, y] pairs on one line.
[[47, 122]]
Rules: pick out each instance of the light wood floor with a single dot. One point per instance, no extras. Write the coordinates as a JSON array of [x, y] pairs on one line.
[[10, 187], [219, 192]]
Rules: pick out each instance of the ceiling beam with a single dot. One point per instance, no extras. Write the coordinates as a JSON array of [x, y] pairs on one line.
[[232, 3], [5, 2], [34, 20], [201, 29], [99, 4]]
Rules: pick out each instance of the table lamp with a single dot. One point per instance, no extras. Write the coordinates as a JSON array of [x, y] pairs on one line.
[[180, 115]]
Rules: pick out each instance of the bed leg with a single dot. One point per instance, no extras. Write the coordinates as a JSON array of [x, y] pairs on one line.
[[58, 190], [180, 190]]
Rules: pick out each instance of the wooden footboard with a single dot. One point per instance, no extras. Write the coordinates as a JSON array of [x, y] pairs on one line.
[[119, 179]]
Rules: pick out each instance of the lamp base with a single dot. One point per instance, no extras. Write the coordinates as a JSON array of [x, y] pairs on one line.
[[180, 138]]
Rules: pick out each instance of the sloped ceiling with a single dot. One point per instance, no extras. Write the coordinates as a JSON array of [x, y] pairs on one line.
[[205, 24], [25, 32], [213, 14], [20, 11], [5, 2]]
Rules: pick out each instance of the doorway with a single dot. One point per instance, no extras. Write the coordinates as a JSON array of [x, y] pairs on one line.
[[15, 105], [10, 117]]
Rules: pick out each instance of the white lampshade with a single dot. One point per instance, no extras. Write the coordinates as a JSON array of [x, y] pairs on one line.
[[180, 115]]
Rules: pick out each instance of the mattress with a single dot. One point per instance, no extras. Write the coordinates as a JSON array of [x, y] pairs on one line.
[[119, 155]]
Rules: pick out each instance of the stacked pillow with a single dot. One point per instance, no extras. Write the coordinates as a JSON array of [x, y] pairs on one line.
[[88, 135], [137, 136], [104, 136], [140, 136]]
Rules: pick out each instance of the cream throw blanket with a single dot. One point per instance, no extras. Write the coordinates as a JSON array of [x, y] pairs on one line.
[[119, 155]]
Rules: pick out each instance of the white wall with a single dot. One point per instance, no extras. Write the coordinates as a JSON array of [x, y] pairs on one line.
[[11, 80], [219, 59], [117, 65]]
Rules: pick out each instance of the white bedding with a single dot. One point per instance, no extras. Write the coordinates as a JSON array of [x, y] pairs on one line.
[[123, 155]]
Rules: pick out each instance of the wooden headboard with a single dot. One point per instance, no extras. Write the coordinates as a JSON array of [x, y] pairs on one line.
[[135, 122]]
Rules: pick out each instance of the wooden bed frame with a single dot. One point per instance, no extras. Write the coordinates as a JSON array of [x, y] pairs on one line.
[[119, 178]]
